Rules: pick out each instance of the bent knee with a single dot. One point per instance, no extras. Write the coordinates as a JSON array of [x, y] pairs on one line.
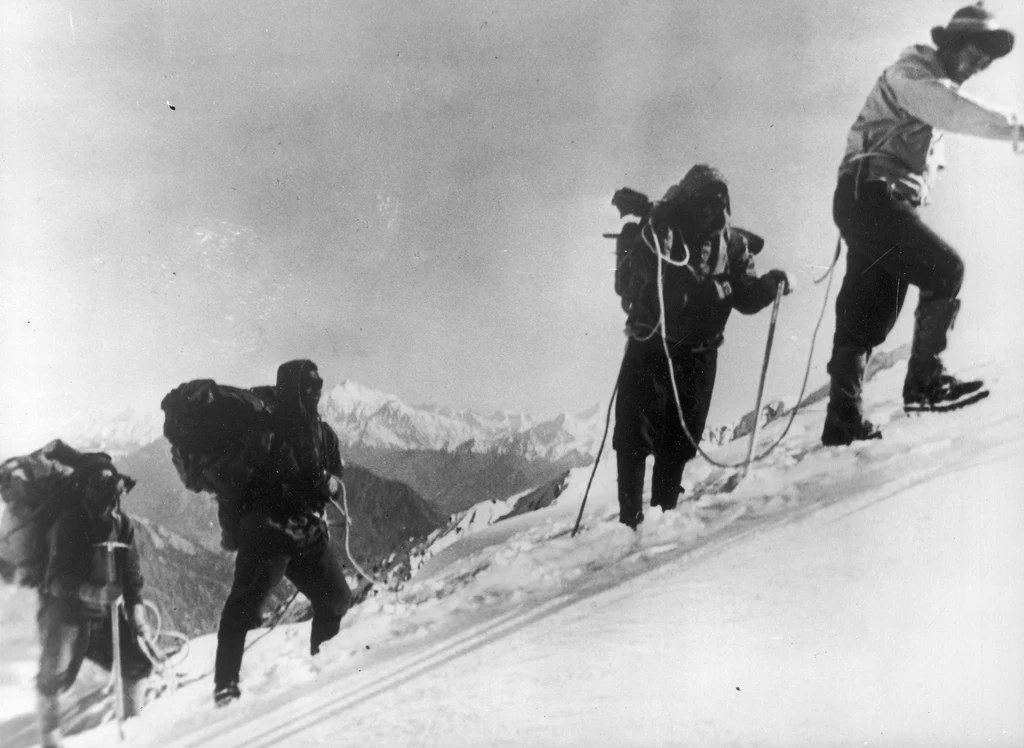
[[948, 278], [954, 277]]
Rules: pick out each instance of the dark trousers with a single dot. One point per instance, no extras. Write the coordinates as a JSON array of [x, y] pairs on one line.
[[266, 555], [888, 249], [647, 421]]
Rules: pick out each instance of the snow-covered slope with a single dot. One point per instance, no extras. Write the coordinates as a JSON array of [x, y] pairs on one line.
[[846, 596]]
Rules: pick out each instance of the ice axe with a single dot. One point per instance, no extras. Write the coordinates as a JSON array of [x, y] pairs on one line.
[[760, 386], [115, 628]]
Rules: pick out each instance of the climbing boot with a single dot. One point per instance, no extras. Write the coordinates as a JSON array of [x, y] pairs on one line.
[[928, 386], [225, 693], [844, 419]]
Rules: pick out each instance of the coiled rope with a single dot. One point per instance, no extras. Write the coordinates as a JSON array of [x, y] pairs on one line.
[[828, 274], [675, 388]]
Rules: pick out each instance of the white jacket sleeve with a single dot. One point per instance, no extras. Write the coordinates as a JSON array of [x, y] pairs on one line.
[[935, 102]]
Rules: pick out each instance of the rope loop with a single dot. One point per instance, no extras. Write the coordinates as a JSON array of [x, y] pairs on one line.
[[675, 389]]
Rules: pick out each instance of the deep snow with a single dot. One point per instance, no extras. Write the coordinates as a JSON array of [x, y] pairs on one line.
[[849, 596]]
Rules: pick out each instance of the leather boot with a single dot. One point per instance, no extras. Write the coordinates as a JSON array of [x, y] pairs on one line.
[[927, 383], [226, 693], [844, 420]]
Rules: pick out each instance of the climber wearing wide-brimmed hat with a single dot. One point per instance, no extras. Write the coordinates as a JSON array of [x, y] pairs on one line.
[[973, 24], [894, 150]]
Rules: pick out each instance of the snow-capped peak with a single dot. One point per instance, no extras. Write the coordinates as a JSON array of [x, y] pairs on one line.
[[117, 433]]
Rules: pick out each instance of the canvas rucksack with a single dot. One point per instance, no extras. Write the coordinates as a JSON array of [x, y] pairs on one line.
[[219, 436], [633, 265], [35, 489]]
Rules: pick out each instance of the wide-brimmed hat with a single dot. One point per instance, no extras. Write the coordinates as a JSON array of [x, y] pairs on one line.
[[975, 24]]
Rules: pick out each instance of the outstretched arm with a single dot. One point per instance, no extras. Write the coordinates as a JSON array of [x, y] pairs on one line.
[[938, 103]]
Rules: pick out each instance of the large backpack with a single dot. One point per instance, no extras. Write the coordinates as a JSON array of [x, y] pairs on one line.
[[633, 265], [35, 489], [220, 435]]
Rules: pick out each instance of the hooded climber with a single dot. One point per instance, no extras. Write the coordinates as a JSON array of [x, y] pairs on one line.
[[77, 593], [283, 532], [707, 271], [893, 152]]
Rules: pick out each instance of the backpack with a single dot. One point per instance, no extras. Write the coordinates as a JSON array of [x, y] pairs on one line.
[[219, 436], [34, 489], [632, 267]]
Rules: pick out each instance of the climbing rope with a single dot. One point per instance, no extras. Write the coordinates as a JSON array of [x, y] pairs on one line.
[[348, 522], [343, 510], [675, 391], [656, 250], [675, 388]]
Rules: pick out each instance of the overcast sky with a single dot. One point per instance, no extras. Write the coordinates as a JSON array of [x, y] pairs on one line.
[[413, 193]]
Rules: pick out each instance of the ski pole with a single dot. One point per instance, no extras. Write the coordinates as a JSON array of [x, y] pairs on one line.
[[760, 386], [115, 628]]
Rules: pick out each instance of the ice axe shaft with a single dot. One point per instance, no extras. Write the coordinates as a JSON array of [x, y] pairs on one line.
[[115, 667], [760, 386], [115, 629]]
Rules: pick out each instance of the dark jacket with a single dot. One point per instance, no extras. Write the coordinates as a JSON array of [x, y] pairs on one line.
[[288, 489], [718, 277], [74, 558]]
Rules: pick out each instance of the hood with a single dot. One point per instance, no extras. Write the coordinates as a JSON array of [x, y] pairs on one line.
[[700, 181], [687, 201]]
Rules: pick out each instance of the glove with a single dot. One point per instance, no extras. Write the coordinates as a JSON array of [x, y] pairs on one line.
[[775, 277]]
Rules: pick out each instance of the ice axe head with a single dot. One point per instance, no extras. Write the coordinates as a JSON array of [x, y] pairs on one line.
[[109, 546]]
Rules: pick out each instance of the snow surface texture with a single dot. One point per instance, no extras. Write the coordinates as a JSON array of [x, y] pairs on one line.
[[848, 596]]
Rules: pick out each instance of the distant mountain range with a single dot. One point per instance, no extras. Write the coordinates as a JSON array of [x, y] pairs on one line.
[[452, 458], [371, 424], [370, 419]]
